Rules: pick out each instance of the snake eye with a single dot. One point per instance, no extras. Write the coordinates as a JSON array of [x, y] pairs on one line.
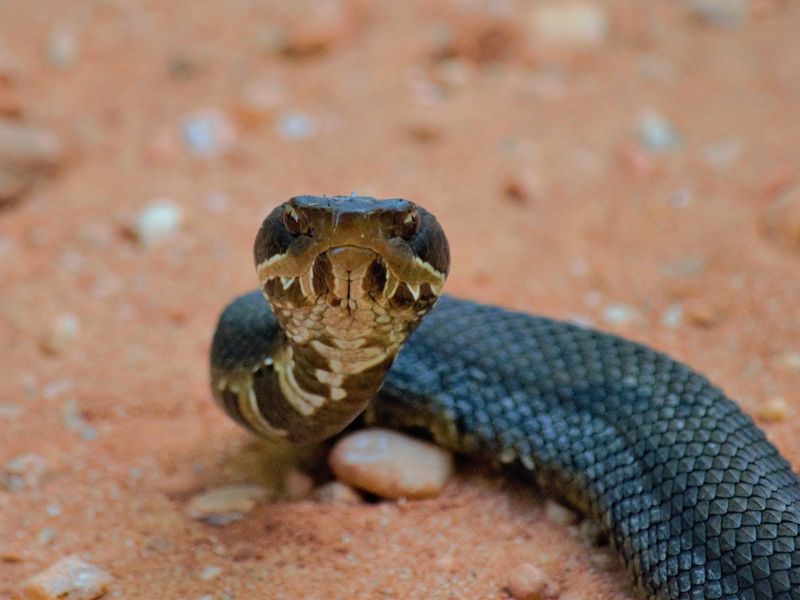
[[409, 226], [295, 223]]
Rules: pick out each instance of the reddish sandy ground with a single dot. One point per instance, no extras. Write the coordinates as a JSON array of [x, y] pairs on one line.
[[529, 154]]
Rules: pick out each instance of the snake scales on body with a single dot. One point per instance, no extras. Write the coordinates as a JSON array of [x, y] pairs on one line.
[[691, 494]]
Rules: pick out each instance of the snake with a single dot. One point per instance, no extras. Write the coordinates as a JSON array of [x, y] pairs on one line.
[[350, 322]]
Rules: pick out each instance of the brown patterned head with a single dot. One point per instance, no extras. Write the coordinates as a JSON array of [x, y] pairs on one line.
[[351, 252]]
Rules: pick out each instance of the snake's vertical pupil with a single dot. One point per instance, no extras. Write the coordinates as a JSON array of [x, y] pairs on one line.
[[409, 225]]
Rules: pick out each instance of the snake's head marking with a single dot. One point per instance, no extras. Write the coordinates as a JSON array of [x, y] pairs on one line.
[[352, 253]]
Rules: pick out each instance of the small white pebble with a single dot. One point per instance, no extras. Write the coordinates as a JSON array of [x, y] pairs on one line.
[[657, 132], [529, 582], [789, 361], [672, 316], [71, 578], [618, 313], [209, 132], [576, 23], [223, 505], [719, 12], [62, 47], [72, 418], [560, 514], [46, 536], [24, 471], [157, 222], [338, 493], [775, 410], [63, 332], [296, 126], [210, 573], [390, 464]]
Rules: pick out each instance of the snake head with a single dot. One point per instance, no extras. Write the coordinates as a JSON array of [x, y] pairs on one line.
[[353, 253]]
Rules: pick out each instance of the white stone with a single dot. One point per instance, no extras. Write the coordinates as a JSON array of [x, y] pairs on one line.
[[390, 464], [577, 23], [24, 471], [337, 493], [71, 578], [529, 582], [657, 132], [157, 222], [62, 333], [223, 505], [209, 132]]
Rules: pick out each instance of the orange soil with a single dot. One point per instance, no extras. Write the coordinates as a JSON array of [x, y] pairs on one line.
[[601, 221]]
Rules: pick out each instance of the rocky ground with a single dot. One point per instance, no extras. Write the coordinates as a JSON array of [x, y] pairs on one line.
[[628, 165]]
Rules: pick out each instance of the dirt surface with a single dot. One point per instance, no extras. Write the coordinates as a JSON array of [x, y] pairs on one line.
[[637, 175]]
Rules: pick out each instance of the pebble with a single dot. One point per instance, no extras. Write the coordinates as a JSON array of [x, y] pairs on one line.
[[672, 316], [529, 582], [209, 132], [319, 30], [337, 493], [775, 410], [27, 154], [789, 361], [618, 313], [782, 218], [702, 312], [719, 12], [210, 573], [223, 505], [26, 471], [296, 125], [258, 102], [62, 333], [657, 132], [572, 23], [559, 514], [524, 186], [157, 222], [71, 578], [390, 464], [72, 418], [62, 47]]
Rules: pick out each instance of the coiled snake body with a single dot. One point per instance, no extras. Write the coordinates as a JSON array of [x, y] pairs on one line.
[[689, 491]]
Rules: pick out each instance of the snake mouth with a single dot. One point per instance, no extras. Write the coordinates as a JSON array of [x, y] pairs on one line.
[[350, 277]]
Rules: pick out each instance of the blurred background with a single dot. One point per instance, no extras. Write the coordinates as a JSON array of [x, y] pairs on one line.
[[629, 165]]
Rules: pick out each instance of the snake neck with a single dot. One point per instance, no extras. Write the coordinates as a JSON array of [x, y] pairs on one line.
[[333, 362]]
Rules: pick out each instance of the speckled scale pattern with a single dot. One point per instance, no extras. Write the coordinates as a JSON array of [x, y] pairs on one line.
[[697, 501]]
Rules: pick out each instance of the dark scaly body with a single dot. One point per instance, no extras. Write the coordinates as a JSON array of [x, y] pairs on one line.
[[695, 499]]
